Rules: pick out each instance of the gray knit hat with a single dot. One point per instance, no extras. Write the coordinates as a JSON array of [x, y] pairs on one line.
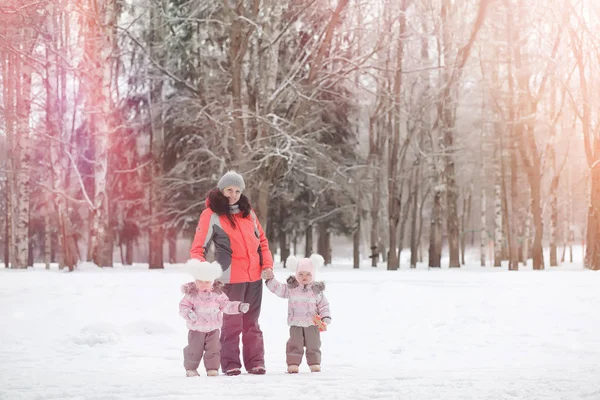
[[231, 178]]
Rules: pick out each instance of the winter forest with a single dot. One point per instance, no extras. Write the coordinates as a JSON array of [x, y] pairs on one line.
[[428, 128]]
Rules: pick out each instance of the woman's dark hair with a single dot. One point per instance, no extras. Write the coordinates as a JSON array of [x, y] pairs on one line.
[[220, 205]]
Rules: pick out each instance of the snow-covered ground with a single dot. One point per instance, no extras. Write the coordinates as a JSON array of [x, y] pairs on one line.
[[474, 333]]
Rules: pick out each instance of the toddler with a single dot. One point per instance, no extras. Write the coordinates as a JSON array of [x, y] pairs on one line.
[[306, 301], [202, 307]]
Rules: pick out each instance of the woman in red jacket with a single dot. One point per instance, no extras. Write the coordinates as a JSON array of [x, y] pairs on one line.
[[242, 249]]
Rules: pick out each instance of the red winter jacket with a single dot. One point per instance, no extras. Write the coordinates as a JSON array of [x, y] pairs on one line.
[[243, 251]]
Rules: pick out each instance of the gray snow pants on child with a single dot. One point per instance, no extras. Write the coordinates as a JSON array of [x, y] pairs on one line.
[[301, 337], [202, 343]]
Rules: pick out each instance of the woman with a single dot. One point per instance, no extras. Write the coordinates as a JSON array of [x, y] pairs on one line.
[[242, 249]]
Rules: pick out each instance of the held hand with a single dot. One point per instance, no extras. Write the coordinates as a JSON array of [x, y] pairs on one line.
[[267, 274], [244, 307], [192, 315], [326, 320]]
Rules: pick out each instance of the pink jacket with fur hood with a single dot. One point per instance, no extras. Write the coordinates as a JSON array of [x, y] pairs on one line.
[[208, 307], [305, 301]]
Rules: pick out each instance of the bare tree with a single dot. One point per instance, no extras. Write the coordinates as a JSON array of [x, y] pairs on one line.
[[99, 24], [582, 40], [19, 35]]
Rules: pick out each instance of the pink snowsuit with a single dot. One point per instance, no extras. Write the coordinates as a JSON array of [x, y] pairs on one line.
[[208, 307], [203, 335], [304, 302]]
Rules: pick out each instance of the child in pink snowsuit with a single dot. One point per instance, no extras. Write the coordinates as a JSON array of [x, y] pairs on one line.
[[202, 307], [305, 301]]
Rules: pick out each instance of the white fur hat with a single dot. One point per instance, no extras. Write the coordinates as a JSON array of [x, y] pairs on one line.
[[203, 270], [311, 264]]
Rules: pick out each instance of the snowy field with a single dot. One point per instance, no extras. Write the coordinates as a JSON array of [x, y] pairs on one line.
[[475, 333]]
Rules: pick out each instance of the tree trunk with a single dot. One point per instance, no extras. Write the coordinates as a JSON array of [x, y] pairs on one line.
[[324, 242], [262, 206], [375, 204], [68, 246], [376, 144], [238, 46], [53, 247], [498, 206], [435, 230], [295, 242], [172, 235], [483, 236], [157, 231], [446, 114], [308, 244], [571, 240], [393, 261], [465, 218], [554, 222], [47, 237], [384, 253], [421, 219], [59, 151], [30, 242], [395, 160], [357, 231], [511, 211], [527, 237], [557, 171], [284, 248], [569, 232], [404, 220], [592, 250], [129, 252], [451, 201], [538, 256], [414, 229], [156, 235], [17, 75], [21, 202], [7, 225], [99, 47], [592, 153]]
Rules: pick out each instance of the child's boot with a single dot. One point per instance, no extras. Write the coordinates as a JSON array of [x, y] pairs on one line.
[[292, 369], [212, 372], [191, 372], [315, 368]]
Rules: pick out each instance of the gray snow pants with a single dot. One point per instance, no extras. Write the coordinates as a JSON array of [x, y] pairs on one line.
[[202, 343], [301, 337]]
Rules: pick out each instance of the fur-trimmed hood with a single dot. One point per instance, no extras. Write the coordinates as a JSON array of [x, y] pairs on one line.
[[190, 288], [317, 287], [219, 204]]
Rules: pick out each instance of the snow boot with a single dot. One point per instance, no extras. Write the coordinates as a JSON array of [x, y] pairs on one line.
[[233, 372], [257, 371]]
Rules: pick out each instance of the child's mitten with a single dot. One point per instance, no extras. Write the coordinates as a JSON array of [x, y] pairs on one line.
[[192, 315], [320, 323], [244, 307], [326, 320]]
